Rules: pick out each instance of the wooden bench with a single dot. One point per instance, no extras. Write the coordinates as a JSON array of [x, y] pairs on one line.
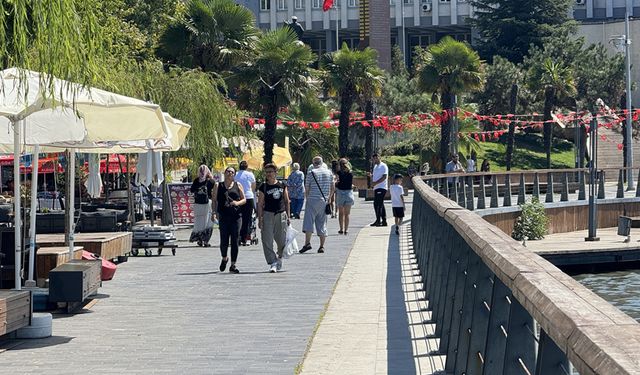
[[48, 258], [15, 310]]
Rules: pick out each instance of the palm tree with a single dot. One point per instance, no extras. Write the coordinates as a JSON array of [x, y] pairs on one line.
[[214, 35], [555, 82], [450, 68], [277, 75], [351, 75]]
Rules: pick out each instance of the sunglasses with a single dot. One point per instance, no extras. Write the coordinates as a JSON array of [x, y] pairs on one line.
[[230, 171]]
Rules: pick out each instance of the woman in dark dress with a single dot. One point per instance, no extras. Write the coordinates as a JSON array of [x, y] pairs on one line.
[[202, 224], [227, 199]]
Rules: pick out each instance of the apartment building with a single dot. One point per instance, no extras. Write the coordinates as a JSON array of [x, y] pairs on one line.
[[411, 22]]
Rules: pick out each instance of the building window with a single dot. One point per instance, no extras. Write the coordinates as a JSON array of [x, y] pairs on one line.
[[298, 4], [282, 4], [336, 3], [353, 3], [315, 4], [445, 1], [426, 1], [265, 4], [408, 2], [392, 2]]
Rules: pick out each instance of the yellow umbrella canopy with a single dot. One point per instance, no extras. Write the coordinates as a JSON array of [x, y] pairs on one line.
[[255, 158]]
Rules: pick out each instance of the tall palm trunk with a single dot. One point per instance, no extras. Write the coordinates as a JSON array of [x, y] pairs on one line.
[[549, 95], [346, 101], [270, 123], [513, 102], [368, 115], [445, 129]]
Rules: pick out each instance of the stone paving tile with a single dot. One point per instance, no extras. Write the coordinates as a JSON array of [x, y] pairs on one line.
[[169, 315]]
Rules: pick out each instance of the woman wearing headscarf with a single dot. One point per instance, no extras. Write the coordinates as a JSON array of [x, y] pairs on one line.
[[227, 200], [201, 189], [295, 186]]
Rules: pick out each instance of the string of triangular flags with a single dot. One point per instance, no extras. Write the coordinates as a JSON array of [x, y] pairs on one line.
[[606, 118]]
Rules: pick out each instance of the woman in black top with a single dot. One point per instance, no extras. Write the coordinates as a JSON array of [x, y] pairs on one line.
[[227, 200], [344, 194], [201, 189], [273, 217]]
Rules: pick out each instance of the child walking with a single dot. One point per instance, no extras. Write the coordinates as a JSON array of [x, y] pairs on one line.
[[397, 200]]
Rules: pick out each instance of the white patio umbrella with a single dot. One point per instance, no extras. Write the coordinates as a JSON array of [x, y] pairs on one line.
[[106, 117]]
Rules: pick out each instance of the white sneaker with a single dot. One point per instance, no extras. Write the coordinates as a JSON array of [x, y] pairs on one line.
[[279, 264], [273, 268]]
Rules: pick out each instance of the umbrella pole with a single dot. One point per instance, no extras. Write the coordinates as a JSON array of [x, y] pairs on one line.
[[71, 198], [32, 215], [16, 203], [129, 205]]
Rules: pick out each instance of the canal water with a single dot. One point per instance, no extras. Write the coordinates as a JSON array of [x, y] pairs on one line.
[[620, 288]]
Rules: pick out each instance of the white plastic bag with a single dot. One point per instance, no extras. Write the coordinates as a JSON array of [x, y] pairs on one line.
[[291, 246]]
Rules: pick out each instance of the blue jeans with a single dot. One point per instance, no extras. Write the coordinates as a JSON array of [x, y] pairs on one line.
[[296, 206]]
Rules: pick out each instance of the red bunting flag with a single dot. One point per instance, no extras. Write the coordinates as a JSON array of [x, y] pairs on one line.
[[327, 5], [620, 146]]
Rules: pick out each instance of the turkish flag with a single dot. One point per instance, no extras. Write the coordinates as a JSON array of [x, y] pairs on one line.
[[327, 5]]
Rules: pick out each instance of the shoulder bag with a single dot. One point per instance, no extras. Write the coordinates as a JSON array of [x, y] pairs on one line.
[[327, 208]]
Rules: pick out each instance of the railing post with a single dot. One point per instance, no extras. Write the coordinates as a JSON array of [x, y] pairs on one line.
[[455, 315], [522, 190], [436, 182], [480, 322], [536, 187], [464, 336], [482, 192], [551, 359], [507, 191], [564, 195], [581, 188], [461, 189], [494, 192], [520, 353], [497, 331], [601, 194], [549, 198], [470, 193], [620, 192]]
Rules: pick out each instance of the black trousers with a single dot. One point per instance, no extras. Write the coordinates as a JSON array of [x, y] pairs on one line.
[[229, 231], [246, 211], [378, 205]]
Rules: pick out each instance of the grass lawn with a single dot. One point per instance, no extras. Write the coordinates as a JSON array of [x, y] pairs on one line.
[[528, 154]]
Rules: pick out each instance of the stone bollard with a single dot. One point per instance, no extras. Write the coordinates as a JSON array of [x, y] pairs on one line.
[[507, 191], [601, 185], [536, 187], [521, 190], [581, 188], [481, 195], [564, 195], [620, 192], [549, 198], [494, 192]]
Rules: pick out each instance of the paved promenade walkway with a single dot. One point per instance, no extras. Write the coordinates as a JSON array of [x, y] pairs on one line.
[[374, 322], [179, 315]]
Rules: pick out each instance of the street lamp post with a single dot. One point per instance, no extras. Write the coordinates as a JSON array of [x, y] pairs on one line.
[[593, 168], [623, 42]]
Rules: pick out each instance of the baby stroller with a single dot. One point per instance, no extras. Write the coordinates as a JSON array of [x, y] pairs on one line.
[[253, 229]]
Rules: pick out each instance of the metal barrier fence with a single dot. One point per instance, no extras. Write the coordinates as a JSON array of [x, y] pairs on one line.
[[540, 184], [501, 309]]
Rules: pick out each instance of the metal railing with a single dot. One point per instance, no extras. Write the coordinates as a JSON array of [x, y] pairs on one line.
[[501, 309], [480, 190]]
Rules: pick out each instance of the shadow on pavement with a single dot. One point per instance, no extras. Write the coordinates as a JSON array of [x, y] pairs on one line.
[[35, 343], [399, 341]]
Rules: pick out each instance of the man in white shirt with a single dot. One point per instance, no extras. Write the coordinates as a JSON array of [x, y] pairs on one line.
[[471, 165], [248, 182], [379, 177], [453, 166]]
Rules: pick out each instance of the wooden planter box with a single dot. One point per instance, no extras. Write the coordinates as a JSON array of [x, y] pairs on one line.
[[48, 258], [15, 310]]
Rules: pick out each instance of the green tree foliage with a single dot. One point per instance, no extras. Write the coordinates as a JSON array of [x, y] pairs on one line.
[[401, 95], [277, 75], [213, 35], [508, 28], [61, 38], [495, 96], [307, 143], [351, 74], [532, 224], [450, 68], [398, 67]]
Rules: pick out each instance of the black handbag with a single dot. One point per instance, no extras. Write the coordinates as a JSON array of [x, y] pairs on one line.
[[327, 208]]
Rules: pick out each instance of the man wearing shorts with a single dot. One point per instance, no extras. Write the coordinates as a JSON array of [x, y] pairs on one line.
[[318, 190]]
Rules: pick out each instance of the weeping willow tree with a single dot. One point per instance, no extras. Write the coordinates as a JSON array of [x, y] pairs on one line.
[[192, 96], [59, 37]]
